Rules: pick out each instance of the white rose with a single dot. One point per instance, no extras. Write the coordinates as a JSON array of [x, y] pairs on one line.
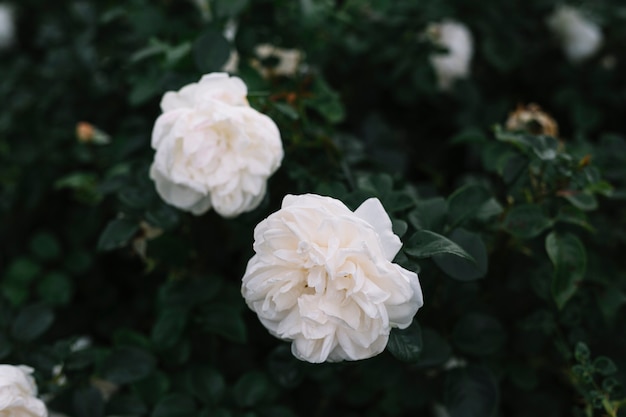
[[213, 149], [454, 64], [7, 26], [580, 37], [18, 393], [322, 277]]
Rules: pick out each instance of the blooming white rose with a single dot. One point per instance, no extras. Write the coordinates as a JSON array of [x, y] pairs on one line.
[[455, 63], [213, 149], [322, 277], [7, 26], [580, 37], [18, 393]]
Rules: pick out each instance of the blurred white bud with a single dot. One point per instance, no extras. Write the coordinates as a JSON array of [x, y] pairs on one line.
[[453, 64], [580, 37]]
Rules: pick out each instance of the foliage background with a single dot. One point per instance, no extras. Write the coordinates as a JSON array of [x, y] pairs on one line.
[[536, 325]]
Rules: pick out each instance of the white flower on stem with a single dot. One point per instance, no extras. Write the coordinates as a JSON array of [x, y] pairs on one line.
[[455, 62], [288, 60], [7, 26], [213, 149], [580, 37], [323, 278], [18, 393]]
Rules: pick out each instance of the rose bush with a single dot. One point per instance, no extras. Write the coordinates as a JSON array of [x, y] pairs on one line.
[[18, 393], [213, 149], [322, 277]]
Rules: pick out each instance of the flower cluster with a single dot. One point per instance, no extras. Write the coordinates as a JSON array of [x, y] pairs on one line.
[[213, 149], [322, 277]]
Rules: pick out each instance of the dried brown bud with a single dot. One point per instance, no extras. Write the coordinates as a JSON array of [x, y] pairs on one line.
[[533, 120]]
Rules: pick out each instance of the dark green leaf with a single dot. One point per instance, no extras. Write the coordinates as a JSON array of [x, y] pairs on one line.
[[175, 405], [224, 321], [424, 244], [251, 389], [211, 50], [465, 202], [88, 402], [207, 384], [526, 221], [45, 246], [31, 322], [230, 8], [284, 368], [429, 214], [163, 216], [582, 200], [471, 392], [581, 352], [127, 364], [125, 405], [478, 334], [569, 258], [169, 327], [406, 345], [117, 234], [573, 215], [604, 366], [56, 288], [463, 269], [152, 388], [435, 350]]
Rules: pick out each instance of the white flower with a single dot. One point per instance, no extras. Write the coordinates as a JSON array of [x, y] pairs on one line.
[[18, 393], [287, 64], [7, 26], [322, 277], [454, 64], [213, 149], [580, 37]]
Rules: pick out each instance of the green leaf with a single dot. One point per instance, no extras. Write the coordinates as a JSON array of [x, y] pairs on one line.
[[224, 321], [604, 366], [211, 50], [460, 268], [287, 110], [45, 246], [425, 244], [573, 215], [478, 334], [152, 388], [470, 392], [5, 346], [251, 389], [207, 384], [164, 217], [465, 202], [582, 200], [117, 234], [569, 258], [435, 349], [169, 327], [229, 8], [127, 364], [581, 352], [56, 289], [284, 368], [526, 221], [31, 322], [406, 345], [175, 405], [88, 402], [429, 214], [125, 405]]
